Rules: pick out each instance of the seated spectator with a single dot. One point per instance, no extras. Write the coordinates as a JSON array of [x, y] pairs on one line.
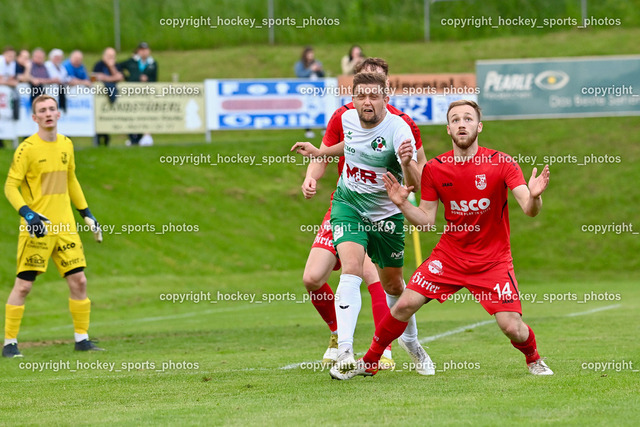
[[308, 66], [350, 61], [8, 67], [106, 71], [76, 70]]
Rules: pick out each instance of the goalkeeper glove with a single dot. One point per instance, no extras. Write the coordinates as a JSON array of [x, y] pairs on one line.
[[35, 222], [92, 222]]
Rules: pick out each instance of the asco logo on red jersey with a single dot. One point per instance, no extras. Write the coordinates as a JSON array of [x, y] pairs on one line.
[[470, 205]]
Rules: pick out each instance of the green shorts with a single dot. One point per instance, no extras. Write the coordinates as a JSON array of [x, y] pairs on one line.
[[383, 240]]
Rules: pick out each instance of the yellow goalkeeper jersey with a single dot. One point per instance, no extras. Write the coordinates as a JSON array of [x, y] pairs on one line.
[[45, 173]]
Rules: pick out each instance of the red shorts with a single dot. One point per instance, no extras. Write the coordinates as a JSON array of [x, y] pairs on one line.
[[493, 284], [324, 239]]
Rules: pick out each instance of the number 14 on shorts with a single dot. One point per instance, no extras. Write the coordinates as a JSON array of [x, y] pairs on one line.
[[505, 293]]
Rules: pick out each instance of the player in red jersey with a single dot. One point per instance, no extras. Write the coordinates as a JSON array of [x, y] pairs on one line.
[[323, 258], [474, 252]]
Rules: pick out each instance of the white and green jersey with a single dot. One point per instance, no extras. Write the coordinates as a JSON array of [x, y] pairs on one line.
[[370, 153]]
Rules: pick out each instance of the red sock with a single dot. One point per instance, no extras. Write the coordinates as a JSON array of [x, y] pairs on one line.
[[528, 347], [322, 300], [389, 329], [379, 305]]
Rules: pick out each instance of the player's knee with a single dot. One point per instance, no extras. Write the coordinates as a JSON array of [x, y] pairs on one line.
[[22, 287], [77, 281], [394, 287], [513, 329], [312, 282], [403, 310], [352, 268]]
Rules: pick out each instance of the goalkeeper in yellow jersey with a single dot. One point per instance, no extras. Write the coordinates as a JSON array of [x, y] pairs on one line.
[[40, 186]]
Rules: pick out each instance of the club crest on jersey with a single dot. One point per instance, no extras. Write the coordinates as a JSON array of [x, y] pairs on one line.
[[64, 158], [435, 267], [378, 144], [481, 182]]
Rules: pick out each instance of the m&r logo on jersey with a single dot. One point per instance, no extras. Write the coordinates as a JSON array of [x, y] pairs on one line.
[[378, 144]]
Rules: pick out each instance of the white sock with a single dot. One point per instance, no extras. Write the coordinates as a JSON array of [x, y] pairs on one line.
[[348, 302], [387, 353], [411, 333], [8, 341], [80, 337]]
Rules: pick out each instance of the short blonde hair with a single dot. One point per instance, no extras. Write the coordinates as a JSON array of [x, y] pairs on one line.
[[465, 102], [42, 98]]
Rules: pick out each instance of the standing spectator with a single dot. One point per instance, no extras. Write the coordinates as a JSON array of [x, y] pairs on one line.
[[8, 67], [105, 71], [76, 70], [39, 74], [309, 68], [8, 74], [350, 61], [23, 66], [57, 71], [141, 67]]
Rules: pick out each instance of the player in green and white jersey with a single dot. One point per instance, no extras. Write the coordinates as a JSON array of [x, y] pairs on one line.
[[363, 218]]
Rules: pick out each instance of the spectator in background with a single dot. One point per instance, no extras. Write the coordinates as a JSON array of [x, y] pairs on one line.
[[8, 73], [8, 67], [23, 66], [39, 74], [350, 61], [141, 67], [106, 71], [310, 68], [57, 71], [76, 70]]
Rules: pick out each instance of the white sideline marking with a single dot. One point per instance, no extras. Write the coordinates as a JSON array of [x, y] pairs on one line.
[[148, 319], [455, 331], [464, 328], [595, 310]]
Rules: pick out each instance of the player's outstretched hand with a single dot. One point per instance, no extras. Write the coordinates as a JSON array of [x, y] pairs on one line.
[[537, 185], [93, 224], [397, 193], [307, 149], [405, 152], [309, 188]]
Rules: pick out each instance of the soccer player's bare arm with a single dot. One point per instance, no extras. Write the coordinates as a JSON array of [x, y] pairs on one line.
[[307, 149], [410, 168], [315, 171], [422, 159], [529, 197], [421, 216]]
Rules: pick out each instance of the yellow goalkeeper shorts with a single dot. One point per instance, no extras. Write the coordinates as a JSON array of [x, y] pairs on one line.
[[65, 249]]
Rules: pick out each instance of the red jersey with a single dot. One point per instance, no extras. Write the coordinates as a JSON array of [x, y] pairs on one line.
[[474, 194], [335, 133]]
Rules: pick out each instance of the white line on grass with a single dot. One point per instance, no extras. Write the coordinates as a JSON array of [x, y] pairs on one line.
[[595, 310], [148, 319]]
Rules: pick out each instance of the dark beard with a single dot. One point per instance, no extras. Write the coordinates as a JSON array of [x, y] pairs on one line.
[[471, 137], [375, 118]]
